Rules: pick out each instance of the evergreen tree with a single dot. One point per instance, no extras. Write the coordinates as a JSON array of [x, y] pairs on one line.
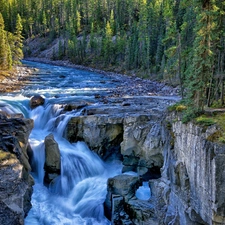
[[203, 55], [5, 60], [18, 42]]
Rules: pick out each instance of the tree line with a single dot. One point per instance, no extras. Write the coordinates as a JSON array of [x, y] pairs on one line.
[[11, 44], [180, 41]]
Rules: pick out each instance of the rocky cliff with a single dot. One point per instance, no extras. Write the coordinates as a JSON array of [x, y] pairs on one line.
[[185, 171], [16, 183], [191, 189]]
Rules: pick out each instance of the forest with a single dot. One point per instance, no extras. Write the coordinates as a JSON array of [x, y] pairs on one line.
[[181, 42]]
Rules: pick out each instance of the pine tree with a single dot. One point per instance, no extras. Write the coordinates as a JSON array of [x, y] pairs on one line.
[[107, 43], [18, 43], [203, 55], [3, 45]]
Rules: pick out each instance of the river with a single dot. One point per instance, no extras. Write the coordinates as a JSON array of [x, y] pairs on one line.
[[78, 194]]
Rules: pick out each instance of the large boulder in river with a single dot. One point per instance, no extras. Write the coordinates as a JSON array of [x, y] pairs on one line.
[[16, 182], [52, 158], [36, 101]]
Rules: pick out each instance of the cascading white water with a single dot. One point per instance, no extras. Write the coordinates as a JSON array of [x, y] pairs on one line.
[[78, 194], [76, 197]]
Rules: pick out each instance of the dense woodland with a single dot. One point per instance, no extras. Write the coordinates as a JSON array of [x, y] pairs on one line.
[[180, 41]]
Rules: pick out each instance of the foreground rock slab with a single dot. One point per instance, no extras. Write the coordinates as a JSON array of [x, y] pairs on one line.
[[16, 182]]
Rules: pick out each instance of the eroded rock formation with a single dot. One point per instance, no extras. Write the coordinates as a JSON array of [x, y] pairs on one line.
[[185, 170], [16, 183]]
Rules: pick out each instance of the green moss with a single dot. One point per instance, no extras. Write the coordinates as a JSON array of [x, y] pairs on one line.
[[205, 121], [217, 119], [4, 155], [178, 107], [215, 136]]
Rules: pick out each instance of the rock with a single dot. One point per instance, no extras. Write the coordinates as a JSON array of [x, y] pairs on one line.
[[122, 188], [16, 182], [141, 212], [70, 107], [52, 158], [142, 146], [134, 135], [192, 177], [36, 101], [123, 207], [103, 134]]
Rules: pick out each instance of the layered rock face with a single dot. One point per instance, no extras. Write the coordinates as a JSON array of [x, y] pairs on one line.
[[191, 189], [16, 183], [131, 132]]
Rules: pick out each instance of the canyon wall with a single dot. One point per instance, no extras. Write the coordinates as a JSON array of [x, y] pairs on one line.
[[185, 171], [191, 189]]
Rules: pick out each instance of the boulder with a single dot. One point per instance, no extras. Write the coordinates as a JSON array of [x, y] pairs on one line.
[[52, 158], [120, 189], [36, 101], [121, 205]]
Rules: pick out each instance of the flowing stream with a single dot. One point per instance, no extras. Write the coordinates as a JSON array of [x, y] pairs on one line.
[[76, 197]]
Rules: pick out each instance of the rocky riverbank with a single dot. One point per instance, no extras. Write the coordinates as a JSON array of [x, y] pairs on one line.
[[14, 79]]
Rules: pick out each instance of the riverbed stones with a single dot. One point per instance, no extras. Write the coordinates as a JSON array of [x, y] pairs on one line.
[[16, 182], [52, 158]]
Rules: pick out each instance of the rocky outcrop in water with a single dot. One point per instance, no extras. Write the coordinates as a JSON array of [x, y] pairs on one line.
[[127, 134], [134, 135], [121, 205], [36, 101], [16, 183], [52, 159]]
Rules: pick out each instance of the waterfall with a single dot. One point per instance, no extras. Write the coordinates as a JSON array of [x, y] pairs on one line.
[[78, 194]]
